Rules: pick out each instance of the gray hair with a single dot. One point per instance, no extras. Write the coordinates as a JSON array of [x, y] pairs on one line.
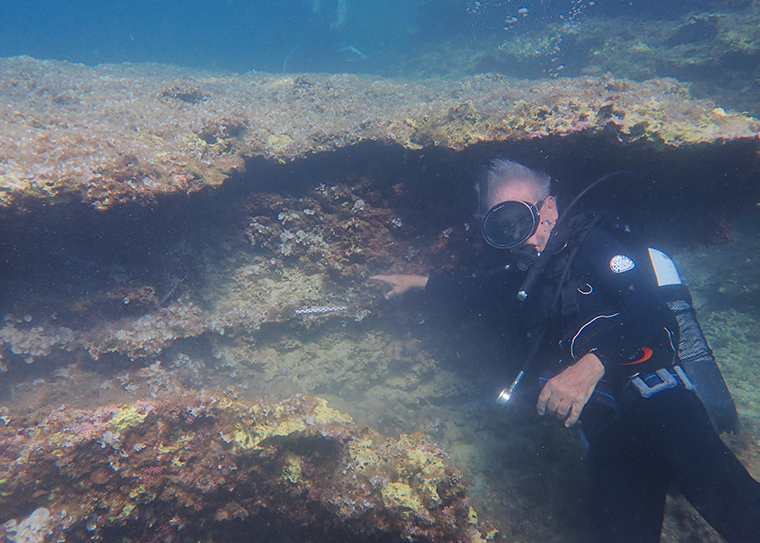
[[505, 172]]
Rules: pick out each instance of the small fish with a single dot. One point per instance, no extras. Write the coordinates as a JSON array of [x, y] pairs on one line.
[[354, 51]]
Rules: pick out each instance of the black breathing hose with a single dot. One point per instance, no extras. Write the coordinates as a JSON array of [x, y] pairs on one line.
[[556, 241]]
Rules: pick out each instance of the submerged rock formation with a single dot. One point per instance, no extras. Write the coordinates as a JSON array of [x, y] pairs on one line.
[[208, 465], [110, 134], [166, 229]]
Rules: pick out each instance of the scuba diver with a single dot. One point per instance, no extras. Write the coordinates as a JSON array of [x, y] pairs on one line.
[[614, 344], [323, 46]]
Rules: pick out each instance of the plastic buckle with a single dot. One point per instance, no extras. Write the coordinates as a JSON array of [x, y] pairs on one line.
[[668, 382], [684, 378]]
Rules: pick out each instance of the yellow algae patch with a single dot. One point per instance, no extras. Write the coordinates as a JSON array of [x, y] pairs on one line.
[[178, 449], [149, 138], [137, 492], [362, 453], [640, 47], [127, 510], [281, 421], [293, 468], [279, 142], [251, 438], [126, 417], [182, 455], [420, 461], [284, 428], [401, 495], [176, 444], [281, 81], [472, 516], [425, 468], [477, 537], [324, 414], [243, 438]]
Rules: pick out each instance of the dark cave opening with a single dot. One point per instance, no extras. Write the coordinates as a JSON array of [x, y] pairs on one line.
[[681, 196], [78, 267]]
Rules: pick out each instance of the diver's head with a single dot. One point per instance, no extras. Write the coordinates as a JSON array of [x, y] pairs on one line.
[[516, 206]]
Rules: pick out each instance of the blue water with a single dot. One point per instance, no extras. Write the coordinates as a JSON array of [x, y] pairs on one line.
[[298, 35], [229, 35]]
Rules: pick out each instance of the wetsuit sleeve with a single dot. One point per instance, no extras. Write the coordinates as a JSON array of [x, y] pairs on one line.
[[632, 291]]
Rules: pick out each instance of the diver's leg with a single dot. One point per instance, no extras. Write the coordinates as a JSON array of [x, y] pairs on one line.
[[627, 486], [340, 16], [706, 471]]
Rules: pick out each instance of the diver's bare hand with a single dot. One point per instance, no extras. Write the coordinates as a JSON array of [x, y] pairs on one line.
[[401, 283], [566, 394]]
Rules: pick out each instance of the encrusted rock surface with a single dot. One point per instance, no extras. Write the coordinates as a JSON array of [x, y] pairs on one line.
[[210, 298], [209, 465], [286, 254], [118, 133]]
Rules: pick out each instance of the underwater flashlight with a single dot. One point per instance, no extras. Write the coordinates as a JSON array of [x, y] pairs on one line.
[[506, 394]]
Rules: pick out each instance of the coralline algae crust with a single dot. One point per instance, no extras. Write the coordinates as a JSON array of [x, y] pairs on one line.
[[401, 495], [183, 454], [127, 417], [278, 421]]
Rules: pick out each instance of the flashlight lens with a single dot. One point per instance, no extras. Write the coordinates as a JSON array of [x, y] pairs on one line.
[[504, 397]]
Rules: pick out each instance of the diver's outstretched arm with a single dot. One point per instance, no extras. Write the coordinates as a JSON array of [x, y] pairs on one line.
[[401, 283]]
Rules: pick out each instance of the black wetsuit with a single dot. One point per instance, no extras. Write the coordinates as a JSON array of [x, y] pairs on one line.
[[638, 447]]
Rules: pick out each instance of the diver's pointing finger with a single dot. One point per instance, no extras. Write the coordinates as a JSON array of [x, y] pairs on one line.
[[393, 293]]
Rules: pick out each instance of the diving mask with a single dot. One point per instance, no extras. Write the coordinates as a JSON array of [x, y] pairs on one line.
[[510, 224]]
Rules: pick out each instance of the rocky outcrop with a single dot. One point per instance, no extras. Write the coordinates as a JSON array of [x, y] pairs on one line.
[[120, 133]]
